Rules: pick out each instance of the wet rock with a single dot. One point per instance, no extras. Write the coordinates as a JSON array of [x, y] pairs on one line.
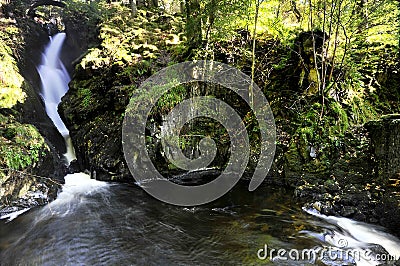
[[331, 185], [95, 125], [74, 167], [348, 211], [360, 217], [28, 172]]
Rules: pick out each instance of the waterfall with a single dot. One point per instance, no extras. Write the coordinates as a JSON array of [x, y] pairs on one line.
[[55, 78]]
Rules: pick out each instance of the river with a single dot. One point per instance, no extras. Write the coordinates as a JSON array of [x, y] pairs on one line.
[[93, 223]]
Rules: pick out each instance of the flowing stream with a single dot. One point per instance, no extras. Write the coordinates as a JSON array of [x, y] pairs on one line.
[[99, 223]]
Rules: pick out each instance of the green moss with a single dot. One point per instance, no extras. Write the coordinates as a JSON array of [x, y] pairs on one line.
[[127, 41], [86, 97], [362, 111], [169, 100], [21, 145], [342, 121], [11, 81]]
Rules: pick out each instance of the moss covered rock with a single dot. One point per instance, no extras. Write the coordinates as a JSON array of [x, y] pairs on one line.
[[25, 159], [31, 167], [130, 50]]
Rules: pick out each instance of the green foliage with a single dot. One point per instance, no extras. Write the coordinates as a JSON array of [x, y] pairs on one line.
[[350, 67], [360, 50], [21, 145], [228, 16], [275, 20], [318, 135], [132, 71], [11, 89], [127, 41], [83, 12], [173, 97]]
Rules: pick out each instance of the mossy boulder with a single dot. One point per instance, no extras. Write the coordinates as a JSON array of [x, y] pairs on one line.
[[25, 166]]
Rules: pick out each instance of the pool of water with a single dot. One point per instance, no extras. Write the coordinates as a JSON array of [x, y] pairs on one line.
[[94, 222]]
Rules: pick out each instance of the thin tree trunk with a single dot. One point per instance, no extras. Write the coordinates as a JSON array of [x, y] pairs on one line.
[[140, 3], [153, 3], [182, 6], [296, 11], [193, 23], [323, 64], [314, 48], [134, 10], [336, 39], [253, 64], [210, 22]]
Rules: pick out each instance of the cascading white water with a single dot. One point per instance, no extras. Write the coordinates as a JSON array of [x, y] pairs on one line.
[[357, 237], [55, 79], [54, 83]]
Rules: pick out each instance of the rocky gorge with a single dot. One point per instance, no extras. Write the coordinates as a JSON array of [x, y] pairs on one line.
[[354, 176], [330, 160], [32, 163]]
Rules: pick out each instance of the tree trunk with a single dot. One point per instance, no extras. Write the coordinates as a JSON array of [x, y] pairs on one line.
[[182, 6], [295, 10], [211, 19], [193, 23], [133, 8], [253, 54]]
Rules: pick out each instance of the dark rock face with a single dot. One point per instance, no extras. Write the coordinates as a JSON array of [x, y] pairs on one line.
[[32, 186], [94, 117], [30, 171], [82, 34], [365, 185], [385, 136]]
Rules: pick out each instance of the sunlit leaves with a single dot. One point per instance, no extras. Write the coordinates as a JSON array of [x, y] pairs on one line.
[[127, 40], [11, 81]]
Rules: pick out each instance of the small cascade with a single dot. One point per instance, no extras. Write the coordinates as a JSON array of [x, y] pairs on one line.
[[358, 239], [55, 79]]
